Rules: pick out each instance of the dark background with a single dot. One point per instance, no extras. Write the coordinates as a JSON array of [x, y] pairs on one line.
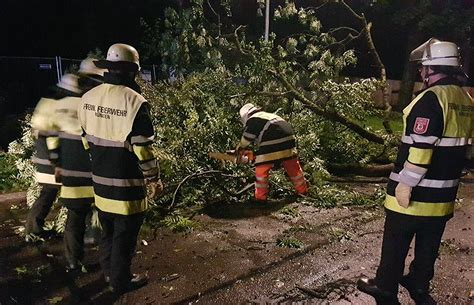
[[73, 28]]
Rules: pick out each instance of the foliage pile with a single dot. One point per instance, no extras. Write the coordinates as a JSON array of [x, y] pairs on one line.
[[216, 69], [8, 174]]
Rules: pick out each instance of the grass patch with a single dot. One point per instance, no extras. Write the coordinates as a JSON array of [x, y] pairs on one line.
[[289, 211], [289, 242], [178, 223], [338, 234], [395, 122], [299, 229]]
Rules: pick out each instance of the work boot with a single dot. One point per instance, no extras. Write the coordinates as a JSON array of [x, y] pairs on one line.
[[75, 267], [40, 236], [382, 297], [419, 295], [137, 281]]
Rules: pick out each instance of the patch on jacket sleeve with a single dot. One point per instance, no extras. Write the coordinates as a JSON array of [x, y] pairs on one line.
[[421, 125]]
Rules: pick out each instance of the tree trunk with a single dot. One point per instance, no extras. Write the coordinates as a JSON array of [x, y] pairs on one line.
[[405, 94], [367, 170]]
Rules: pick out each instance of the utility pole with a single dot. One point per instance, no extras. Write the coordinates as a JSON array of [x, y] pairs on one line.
[[267, 20]]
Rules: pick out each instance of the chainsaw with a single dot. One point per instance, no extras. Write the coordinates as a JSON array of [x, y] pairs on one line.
[[240, 157]]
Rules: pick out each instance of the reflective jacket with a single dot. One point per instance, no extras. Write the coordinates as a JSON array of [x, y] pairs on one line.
[[68, 153], [119, 132], [42, 125], [273, 136], [438, 129]]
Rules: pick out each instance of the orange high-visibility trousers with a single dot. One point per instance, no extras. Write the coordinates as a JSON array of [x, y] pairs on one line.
[[292, 168]]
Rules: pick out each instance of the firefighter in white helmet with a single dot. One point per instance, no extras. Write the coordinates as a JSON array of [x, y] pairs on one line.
[[45, 140], [276, 145], [72, 161], [423, 185], [119, 132]]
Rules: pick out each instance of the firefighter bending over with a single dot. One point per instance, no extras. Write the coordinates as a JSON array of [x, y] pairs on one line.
[[276, 145]]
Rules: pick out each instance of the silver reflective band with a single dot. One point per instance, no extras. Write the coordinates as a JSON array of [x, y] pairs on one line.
[[266, 126], [41, 161], [424, 139], [47, 133], [69, 136], [108, 143], [430, 182], [409, 177], [455, 141], [148, 165], [118, 182], [300, 176], [79, 174], [141, 139], [249, 135], [444, 142], [278, 141]]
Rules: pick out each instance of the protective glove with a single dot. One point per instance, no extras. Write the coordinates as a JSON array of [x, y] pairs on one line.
[[410, 176], [155, 187], [403, 194], [57, 174]]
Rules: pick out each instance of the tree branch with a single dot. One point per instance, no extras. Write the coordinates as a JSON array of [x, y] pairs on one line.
[[331, 115], [366, 27]]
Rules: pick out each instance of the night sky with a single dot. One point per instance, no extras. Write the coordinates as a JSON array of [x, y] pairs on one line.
[[72, 28]]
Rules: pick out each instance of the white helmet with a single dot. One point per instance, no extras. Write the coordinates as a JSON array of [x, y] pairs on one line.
[[121, 57], [70, 82], [246, 111], [88, 68], [441, 53], [434, 52]]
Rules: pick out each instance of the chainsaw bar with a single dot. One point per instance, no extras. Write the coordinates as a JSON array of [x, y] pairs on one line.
[[223, 156]]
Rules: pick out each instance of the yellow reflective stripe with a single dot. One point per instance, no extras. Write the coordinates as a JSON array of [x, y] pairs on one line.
[[121, 207], [420, 155], [85, 143], [143, 152], [457, 110], [244, 142], [52, 142], [46, 178], [74, 192], [417, 208], [276, 155]]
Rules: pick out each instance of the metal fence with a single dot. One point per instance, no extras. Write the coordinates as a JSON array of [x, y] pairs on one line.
[[23, 80]]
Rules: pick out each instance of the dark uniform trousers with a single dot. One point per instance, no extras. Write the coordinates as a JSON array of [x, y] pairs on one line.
[[74, 232], [117, 246], [398, 234], [40, 209]]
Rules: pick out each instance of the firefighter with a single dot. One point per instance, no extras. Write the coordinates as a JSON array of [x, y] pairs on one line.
[[46, 136], [119, 133], [276, 144], [423, 185], [72, 164]]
